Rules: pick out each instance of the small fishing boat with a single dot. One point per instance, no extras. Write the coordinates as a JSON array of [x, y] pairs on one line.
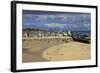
[[81, 38]]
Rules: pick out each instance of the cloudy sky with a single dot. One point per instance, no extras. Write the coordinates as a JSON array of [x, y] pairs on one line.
[[56, 20]]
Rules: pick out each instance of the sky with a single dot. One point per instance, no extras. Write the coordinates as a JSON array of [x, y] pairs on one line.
[[52, 20]]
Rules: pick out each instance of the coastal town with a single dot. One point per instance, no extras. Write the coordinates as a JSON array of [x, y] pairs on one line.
[[41, 33]]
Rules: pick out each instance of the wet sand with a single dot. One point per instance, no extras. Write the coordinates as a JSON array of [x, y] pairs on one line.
[[42, 50]]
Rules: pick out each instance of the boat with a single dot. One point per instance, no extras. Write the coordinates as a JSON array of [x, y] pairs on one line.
[[81, 38]]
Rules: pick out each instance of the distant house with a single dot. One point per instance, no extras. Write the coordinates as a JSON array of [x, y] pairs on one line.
[[25, 34], [52, 34], [65, 34], [69, 33], [39, 34]]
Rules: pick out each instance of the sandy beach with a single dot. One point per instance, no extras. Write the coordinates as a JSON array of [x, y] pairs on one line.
[[68, 51], [42, 50]]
